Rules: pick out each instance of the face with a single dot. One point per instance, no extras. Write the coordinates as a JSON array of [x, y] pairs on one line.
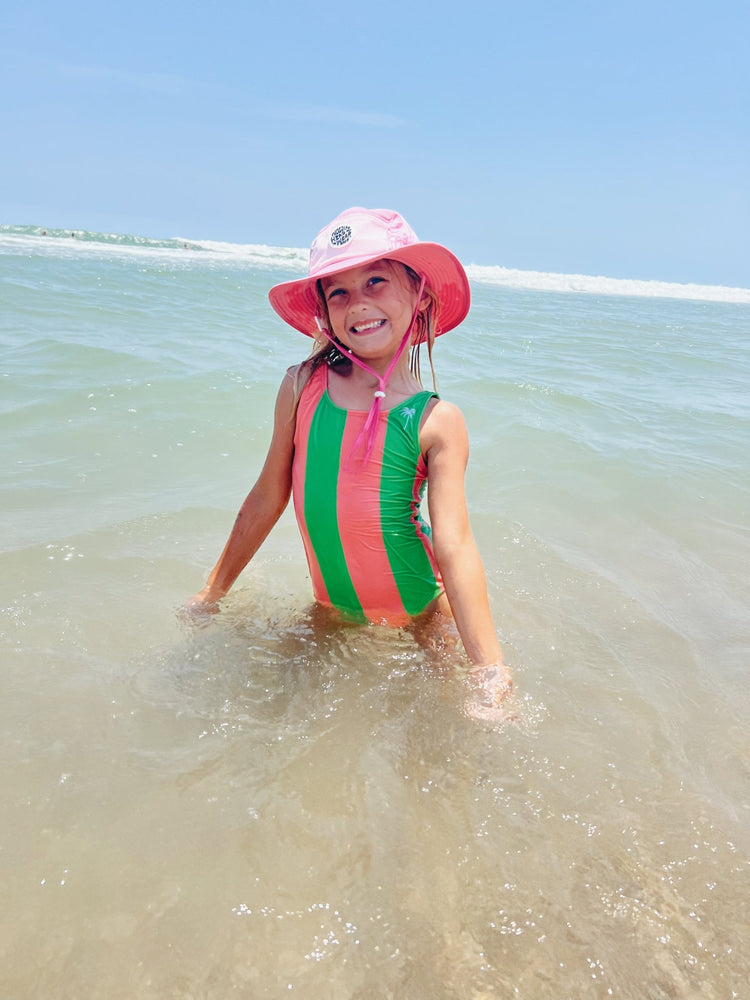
[[370, 307]]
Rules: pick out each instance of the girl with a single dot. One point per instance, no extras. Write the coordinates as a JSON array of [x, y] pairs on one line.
[[356, 438]]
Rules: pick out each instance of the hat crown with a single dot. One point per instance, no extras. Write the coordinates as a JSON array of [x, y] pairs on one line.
[[356, 236], [360, 236]]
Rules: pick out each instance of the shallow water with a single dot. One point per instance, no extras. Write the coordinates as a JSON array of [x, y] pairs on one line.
[[268, 805]]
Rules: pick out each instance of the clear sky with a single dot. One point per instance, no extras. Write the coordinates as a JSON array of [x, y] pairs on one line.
[[583, 137]]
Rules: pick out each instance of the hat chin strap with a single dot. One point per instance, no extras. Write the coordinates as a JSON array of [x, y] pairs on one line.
[[371, 423]]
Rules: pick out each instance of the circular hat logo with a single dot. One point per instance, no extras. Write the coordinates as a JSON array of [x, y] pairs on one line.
[[341, 236]]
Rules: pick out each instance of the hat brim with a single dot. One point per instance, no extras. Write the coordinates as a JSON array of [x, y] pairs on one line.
[[297, 303]]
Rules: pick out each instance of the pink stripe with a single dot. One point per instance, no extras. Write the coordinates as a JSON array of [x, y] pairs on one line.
[[309, 400], [358, 499]]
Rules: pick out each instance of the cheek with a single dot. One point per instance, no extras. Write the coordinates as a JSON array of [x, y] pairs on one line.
[[337, 321]]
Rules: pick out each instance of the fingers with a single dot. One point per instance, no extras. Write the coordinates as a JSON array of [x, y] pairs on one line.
[[491, 687], [197, 611], [488, 713]]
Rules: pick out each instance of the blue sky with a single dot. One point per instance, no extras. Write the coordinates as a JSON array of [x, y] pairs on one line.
[[581, 137]]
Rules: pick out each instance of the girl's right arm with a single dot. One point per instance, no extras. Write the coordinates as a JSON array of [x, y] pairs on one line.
[[263, 505]]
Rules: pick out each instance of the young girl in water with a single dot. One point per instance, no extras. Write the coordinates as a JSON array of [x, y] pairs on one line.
[[356, 438]]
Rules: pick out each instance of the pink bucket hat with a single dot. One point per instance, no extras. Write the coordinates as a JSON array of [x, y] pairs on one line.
[[361, 235]]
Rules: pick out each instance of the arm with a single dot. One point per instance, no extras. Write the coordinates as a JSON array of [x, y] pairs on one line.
[[446, 447], [262, 508]]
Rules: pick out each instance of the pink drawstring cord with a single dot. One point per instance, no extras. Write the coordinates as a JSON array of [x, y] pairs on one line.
[[369, 429]]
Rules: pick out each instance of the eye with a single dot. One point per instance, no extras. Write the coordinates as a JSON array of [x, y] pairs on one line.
[[333, 292], [376, 279]]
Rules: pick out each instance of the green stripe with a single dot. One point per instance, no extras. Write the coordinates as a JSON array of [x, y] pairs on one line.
[[410, 564], [321, 487]]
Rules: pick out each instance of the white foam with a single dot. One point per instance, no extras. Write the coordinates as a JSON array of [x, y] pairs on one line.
[[255, 253], [597, 285], [295, 259]]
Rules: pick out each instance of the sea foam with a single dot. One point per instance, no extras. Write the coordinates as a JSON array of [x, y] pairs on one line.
[[80, 243], [599, 285]]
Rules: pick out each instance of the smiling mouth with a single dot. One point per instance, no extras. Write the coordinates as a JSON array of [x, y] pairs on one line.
[[374, 324]]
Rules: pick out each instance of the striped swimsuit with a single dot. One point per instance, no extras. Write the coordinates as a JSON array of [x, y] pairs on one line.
[[368, 550]]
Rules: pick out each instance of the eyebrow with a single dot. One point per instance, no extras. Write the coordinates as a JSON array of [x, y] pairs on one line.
[[334, 279]]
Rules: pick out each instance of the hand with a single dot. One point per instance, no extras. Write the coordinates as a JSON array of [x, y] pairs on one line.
[[491, 687], [198, 607]]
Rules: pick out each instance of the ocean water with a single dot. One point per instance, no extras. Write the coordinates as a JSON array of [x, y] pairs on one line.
[[267, 805]]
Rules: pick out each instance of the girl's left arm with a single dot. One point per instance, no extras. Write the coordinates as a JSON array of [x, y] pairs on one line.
[[446, 447]]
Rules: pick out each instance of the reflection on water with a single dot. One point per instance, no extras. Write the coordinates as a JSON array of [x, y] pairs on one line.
[[270, 804]]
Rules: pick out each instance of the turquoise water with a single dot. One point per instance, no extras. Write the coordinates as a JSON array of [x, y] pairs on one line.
[[267, 805]]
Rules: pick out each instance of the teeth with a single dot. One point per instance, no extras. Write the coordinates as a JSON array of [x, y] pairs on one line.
[[367, 326]]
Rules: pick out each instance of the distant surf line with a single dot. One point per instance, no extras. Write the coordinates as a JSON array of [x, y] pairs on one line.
[[294, 258]]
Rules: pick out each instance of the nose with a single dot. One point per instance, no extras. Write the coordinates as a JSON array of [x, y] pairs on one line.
[[356, 297], [358, 307]]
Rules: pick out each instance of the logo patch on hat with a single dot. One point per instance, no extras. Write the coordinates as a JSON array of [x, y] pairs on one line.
[[341, 236]]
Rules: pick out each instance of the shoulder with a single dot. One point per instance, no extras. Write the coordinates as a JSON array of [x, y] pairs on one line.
[[295, 381], [288, 385], [444, 427], [296, 376]]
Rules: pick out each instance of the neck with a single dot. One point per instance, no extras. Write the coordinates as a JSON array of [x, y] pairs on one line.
[[372, 371]]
